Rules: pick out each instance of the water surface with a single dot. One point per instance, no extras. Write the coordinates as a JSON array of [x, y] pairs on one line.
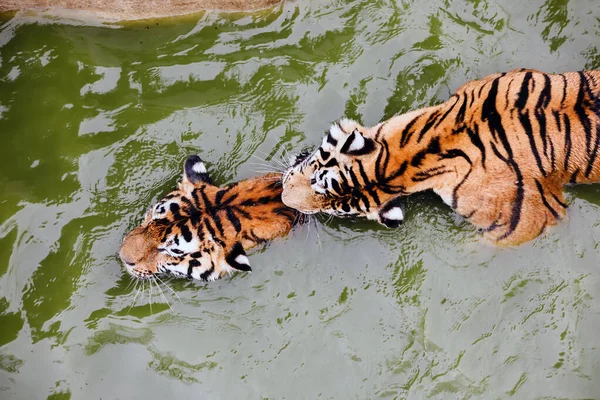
[[96, 122]]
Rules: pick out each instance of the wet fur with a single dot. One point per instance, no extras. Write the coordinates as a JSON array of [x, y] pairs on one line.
[[499, 152], [202, 231]]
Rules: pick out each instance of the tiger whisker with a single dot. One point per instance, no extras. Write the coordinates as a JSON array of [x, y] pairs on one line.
[[130, 282], [282, 159], [168, 287], [160, 291], [286, 158], [308, 229], [150, 295], [272, 158], [317, 233], [274, 167], [136, 295], [263, 171]]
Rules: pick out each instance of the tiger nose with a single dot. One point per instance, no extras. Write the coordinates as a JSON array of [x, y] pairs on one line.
[[127, 259]]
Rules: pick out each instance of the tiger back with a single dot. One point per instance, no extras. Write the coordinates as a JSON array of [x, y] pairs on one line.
[[202, 231], [499, 152]]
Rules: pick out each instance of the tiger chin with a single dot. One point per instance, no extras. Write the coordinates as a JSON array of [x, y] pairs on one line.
[[202, 231], [499, 152]]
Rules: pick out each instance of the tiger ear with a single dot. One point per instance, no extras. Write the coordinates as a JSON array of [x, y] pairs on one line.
[[237, 258], [357, 144], [194, 171]]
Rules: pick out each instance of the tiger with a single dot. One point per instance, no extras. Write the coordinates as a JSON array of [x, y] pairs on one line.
[[499, 152], [202, 231]]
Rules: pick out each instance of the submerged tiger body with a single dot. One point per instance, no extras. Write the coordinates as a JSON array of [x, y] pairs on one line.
[[201, 231], [499, 152]]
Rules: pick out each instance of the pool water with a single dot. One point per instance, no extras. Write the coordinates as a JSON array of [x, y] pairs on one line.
[[96, 122]]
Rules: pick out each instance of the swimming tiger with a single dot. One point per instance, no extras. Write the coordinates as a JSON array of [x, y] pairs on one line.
[[499, 152], [201, 231]]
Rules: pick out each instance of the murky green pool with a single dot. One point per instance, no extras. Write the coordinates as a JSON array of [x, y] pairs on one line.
[[95, 125]]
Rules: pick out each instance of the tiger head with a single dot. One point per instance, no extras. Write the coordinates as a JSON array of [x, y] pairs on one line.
[[201, 231], [341, 178]]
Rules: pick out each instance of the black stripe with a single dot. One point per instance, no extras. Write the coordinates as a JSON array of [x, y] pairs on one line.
[[406, 134], [207, 203], [331, 163], [546, 204], [331, 140], [217, 220], [564, 96], [490, 114], [204, 276], [425, 176], [430, 121], [446, 113], [557, 120], [174, 207], [580, 111], [524, 119], [552, 155], [524, 92], [221, 193], [195, 198], [429, 170], [594, 154], [573, 178], [346, 187], [540, 113], [235, 221], [545, 94], [185, 232], [382, 161], [455, 190], [335, 186], [507, 93], [400, 171], [242, 212], [476, 140], [473, 96], [460, 116], [568, 144], [348, 142], [166, 233], [367, 184], [495, 225], [324, 154], [209, 227], [562, 204], [192, 264], [433, 147]]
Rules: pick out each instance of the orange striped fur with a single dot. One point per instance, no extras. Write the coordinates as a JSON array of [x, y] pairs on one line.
[[202, 231], [499, 152]]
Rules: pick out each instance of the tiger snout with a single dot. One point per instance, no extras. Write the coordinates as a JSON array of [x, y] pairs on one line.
[[138, 254], [298, 194]]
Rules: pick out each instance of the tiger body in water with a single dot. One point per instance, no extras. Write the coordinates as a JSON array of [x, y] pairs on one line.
[[202, 231], [499, 152]]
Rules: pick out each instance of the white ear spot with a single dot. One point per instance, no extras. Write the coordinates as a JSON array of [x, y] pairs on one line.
[[199, 168], [242, 259], [394, 213], [325, 145], [358, 143], [336, 132]]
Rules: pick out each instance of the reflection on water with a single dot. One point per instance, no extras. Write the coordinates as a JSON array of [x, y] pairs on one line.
[[96, 123]]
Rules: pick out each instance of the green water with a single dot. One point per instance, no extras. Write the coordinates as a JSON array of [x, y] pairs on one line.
[[95, 125]]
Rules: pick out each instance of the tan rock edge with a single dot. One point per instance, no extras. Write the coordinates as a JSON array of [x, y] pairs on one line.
[[134, 9]]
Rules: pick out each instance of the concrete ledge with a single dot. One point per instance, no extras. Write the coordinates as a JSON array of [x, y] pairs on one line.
[[121, 10]]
